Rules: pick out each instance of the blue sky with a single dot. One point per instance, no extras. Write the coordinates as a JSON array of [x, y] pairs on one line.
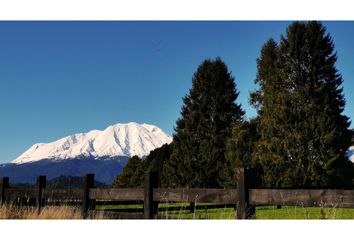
[[61, 78]]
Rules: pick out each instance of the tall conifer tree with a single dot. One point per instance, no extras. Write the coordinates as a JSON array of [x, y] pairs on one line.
[[271, 101], [132, 174], [198, 155], [304, 133], [240, 149]]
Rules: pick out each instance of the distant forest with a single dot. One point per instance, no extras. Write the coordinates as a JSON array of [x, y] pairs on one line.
[[62, 182], [299, 137]]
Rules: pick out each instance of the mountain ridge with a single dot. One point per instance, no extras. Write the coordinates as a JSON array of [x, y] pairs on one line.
[[116, 140]]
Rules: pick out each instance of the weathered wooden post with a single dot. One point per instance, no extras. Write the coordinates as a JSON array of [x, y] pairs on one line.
[[4, 183], [244, 209], [41, 184], [89, 182], [192, 207], [151, 182]]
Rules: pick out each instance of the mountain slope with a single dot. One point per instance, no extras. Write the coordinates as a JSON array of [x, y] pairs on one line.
[[105, 170], [116, 140]]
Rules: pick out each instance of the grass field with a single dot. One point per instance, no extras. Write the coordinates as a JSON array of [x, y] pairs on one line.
[[267, 212], [293, 212], [181, 211], [262, 212]]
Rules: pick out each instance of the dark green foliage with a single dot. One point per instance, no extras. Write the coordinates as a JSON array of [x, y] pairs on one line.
[[303, 133], [209, 110], [273, 104], [132, 174], [61, 182], [240, 148], [156, 160], [267, 77]]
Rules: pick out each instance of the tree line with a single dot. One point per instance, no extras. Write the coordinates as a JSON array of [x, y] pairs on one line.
[[299, 137]]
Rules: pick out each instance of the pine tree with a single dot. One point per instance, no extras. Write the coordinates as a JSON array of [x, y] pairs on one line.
[[240, 148], [209, 110], [155, 161], [132, 174], [304, 134], [134, 171], [271, 101]]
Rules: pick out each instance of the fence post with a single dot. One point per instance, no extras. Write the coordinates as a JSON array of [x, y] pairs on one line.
[[4, 183], [41, 184], [192, 207], [89, 181], [244, 209], [150, 207]]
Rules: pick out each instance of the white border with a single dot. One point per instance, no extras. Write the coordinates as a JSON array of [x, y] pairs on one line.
[[176, 10], [177, 229]]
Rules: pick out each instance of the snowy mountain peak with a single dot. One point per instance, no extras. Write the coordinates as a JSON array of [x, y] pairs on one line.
[[351, 153], [116, 140]]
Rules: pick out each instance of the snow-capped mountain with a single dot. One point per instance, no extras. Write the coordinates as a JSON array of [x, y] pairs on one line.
[[116, 140], [351, 153]]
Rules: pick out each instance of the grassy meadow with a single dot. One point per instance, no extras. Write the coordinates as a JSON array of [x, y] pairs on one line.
[[266, 212], [180, 211]]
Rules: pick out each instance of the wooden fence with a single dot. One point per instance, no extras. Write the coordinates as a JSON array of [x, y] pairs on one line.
[[243, 199]]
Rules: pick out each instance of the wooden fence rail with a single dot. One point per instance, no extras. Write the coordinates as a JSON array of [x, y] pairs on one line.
[[244, 198]]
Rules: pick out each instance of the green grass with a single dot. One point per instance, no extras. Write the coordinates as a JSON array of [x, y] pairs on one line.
[[296, 212], [262, 212], [185, 213], [118, 207]]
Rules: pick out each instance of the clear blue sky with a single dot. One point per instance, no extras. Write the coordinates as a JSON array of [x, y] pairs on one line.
[[61, 78]]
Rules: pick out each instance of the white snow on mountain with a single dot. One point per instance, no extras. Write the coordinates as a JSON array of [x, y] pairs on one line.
[[351, 153], [117, 140]]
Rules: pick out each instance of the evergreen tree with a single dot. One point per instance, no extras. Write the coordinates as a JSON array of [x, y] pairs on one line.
[[209, 110], [303, 133], [132, 174], [272, 102], [156, 160], [240, 148]]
